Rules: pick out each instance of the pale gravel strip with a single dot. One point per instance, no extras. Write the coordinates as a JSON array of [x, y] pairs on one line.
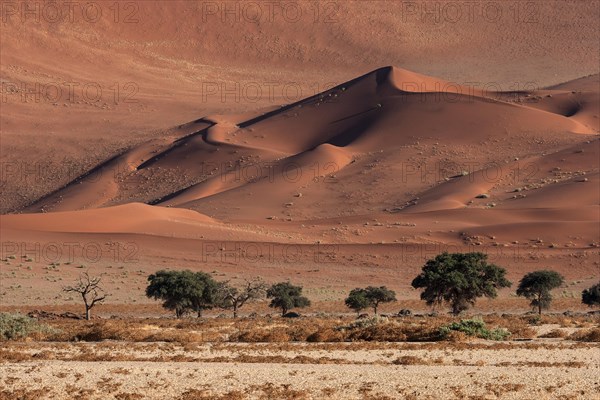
[[168, 380], [559, 352]]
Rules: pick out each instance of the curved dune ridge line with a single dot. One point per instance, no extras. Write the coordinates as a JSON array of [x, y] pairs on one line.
[[235, 160], [135, 223], [550, 188], [174, 72], [390, 146], [276, 180], [573, 100], [336, 154], [124, 218]]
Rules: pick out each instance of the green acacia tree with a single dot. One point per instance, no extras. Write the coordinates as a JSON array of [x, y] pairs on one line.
[[459, 279], [379, 295], [591, 296], [357, 300], [286, 296], [183, 291], [210, 295], [536, 286]]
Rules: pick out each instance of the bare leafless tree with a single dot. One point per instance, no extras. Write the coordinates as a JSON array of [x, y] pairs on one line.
[[89, 289], [233, 298]]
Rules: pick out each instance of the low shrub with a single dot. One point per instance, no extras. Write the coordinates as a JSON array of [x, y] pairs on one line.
[[587, 335], [554, 333], [326, 335], [412, 360], [409, 360], [365, 323], [475, 328], [385, 332], [382, 329], [18, 326], [74, 331], [278, 334]]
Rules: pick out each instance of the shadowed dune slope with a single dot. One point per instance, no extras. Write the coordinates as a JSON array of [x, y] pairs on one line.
[[390, 127], [77, 92]]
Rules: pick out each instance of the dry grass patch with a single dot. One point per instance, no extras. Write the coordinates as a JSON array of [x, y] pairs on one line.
[[24, 394], [542, 364], [195, 394], [7, 356], [128, 396], [555, 334], [518, 326], [499, 389], [412, 360], [587, 335], [328, 392], [120, 371], [320, 329], [270, 391]]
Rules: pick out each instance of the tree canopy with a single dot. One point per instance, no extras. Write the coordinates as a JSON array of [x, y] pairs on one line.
[[372, 296], [183, 291], [286, 296], [459, 279], [591, 296], [536, 286], [357, 300]]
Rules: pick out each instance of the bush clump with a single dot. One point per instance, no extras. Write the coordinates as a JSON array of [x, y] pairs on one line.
[[386, 332], [365, 323], [554, 334], [587, 335], [326, 335], [591, 296], [382, 329], [18, 326], [475, 328], [264, 335]]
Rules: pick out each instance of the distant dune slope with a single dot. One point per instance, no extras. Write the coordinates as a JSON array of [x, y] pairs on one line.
[[216, 135], [84, 82], [465, 166], [444, 148]]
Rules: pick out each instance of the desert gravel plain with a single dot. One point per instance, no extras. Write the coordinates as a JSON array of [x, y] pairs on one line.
[[512, 370], [266, 359]]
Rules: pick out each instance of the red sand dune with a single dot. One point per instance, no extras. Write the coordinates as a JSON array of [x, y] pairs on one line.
[[372, 163], [312, 142], [368, 145]]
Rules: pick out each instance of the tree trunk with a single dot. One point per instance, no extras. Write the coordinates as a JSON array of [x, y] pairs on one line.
[[455, 309], [539, 307], [87, 307], [375, 309], [199, 313], [283, 311], [235, 313]]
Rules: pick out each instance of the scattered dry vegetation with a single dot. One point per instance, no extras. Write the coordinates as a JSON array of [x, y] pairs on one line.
[[585, 327], [174, 353], [587, 335]]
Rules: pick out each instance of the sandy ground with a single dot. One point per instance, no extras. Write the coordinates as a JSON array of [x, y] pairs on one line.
[[556, 370], [566, 371]]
